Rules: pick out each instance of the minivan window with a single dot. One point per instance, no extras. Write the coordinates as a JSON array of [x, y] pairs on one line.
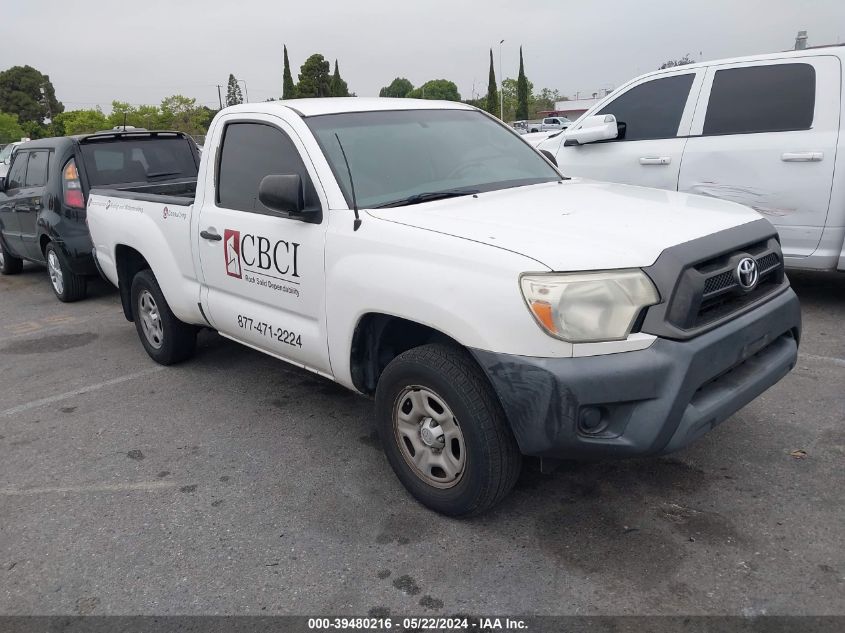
[[36, 171], [17, 172], [769, 98], [251, 151], [652, 109]]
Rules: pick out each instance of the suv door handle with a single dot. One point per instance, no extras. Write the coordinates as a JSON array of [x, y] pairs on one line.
[[802, 157], [214, 237], [655, 160]]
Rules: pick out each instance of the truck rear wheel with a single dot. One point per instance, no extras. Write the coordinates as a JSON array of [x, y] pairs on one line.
[[444, 432], [9, 265], [67, 286], [166, 339]]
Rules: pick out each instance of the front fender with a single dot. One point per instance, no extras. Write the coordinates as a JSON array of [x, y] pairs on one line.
[[466, 290]]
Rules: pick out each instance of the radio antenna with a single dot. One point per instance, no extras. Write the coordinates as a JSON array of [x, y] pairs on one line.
[[357, 224]]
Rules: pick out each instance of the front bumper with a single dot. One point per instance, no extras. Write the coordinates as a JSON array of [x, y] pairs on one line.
[[646, 402]]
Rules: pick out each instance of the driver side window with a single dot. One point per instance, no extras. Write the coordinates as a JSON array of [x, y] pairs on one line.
[[653, 109]]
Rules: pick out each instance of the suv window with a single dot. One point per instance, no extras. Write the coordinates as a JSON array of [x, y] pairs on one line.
[[36, 172], [652, 109], [138, 159], [17, 172], [251, 151], [771, 98]]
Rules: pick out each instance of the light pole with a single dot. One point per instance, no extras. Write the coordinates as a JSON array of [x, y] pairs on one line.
[[246, 92], [501, 85]]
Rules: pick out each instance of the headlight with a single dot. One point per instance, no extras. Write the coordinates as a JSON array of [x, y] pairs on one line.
[[588, 307]]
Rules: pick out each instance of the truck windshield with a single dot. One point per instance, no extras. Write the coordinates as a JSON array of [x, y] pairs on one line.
[[138, 159], [409, 156]]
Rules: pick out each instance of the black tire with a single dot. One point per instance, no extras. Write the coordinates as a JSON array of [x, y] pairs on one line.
[[67, 286], [9, 265], [177, 341], [492, 458]]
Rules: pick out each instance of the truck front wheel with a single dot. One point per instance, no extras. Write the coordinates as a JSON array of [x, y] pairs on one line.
[[444, 432], [166, 339]]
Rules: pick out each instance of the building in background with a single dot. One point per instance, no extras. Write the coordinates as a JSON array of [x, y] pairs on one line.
[[572, 109]]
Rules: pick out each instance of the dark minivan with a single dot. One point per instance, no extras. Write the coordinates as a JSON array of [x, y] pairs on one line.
[[44, 195]]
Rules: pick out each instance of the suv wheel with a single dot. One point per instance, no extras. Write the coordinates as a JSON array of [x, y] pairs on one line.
[[9, 265], [444, 432], [68, 286], [166, 339]]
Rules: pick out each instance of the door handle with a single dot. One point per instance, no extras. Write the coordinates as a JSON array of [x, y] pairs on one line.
[[214, 237], [655, 160], [802, 157]]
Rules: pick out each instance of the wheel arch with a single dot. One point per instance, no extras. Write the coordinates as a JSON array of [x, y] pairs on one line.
[[129, 262], [378, 338]]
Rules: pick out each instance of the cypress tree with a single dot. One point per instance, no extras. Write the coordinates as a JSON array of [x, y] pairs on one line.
[[521, 91], [234, 96], [288, 87], [492, 90], [338, 86]]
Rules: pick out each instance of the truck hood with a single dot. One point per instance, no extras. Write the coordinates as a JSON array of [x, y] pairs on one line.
[[578, 224]]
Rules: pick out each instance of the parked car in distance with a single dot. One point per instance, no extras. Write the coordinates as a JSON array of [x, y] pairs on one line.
[[765, 131], [6, 156], [520, 126], [491, 306], [549, 123], [43, 197]]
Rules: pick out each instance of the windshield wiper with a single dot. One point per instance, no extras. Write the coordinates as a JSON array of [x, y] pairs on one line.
[[159, 174], [428, 196]]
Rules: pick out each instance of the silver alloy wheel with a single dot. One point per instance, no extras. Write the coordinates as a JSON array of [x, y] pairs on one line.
[[150, 319], [55, 268], [429, 437]]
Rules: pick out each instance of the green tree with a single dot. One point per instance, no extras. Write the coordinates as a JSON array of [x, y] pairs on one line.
[[522, 91], [79, 122], [544, 100], [398, 88], [288, 87], [436, 89], [182, 113], [314, 78], [492, 90], [29, 94], [683, 61], [338, 87], [10, 129], [234, 96]]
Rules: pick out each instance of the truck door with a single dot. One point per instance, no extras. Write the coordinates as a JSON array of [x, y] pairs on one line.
[[31, 201], [767, 139], [9, 199], [656, 113], [263, 273]]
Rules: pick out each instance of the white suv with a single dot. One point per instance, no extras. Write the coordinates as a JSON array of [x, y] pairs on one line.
[[763, 131]]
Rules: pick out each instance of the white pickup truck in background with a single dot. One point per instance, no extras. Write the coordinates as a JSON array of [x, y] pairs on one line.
[[491, 306], [765, 131]]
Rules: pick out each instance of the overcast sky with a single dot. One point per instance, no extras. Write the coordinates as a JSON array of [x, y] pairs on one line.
[[98, 50]]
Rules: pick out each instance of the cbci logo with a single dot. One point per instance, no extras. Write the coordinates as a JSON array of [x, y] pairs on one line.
[[232, 251]]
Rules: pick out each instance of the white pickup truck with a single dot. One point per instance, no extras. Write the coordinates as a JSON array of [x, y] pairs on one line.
[[765, 131], [420, 252]]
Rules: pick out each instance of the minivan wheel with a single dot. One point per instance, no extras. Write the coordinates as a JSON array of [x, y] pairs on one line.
[[67, 286], [9, 265], [444, 432], [166, 339]]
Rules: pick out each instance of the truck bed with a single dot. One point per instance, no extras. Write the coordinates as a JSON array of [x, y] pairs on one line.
[[179, 192]]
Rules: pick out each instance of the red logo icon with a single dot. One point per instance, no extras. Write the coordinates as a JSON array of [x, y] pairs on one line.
[[232, 252]]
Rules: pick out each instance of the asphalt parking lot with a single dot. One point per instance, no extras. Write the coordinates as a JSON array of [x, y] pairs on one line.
[[236, 484]]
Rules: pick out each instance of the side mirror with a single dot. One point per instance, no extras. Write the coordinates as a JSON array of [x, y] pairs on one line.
[[284, 194], [602, 127], [550, 156]]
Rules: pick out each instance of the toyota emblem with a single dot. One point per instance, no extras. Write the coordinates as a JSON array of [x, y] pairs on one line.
[[747, 273]]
